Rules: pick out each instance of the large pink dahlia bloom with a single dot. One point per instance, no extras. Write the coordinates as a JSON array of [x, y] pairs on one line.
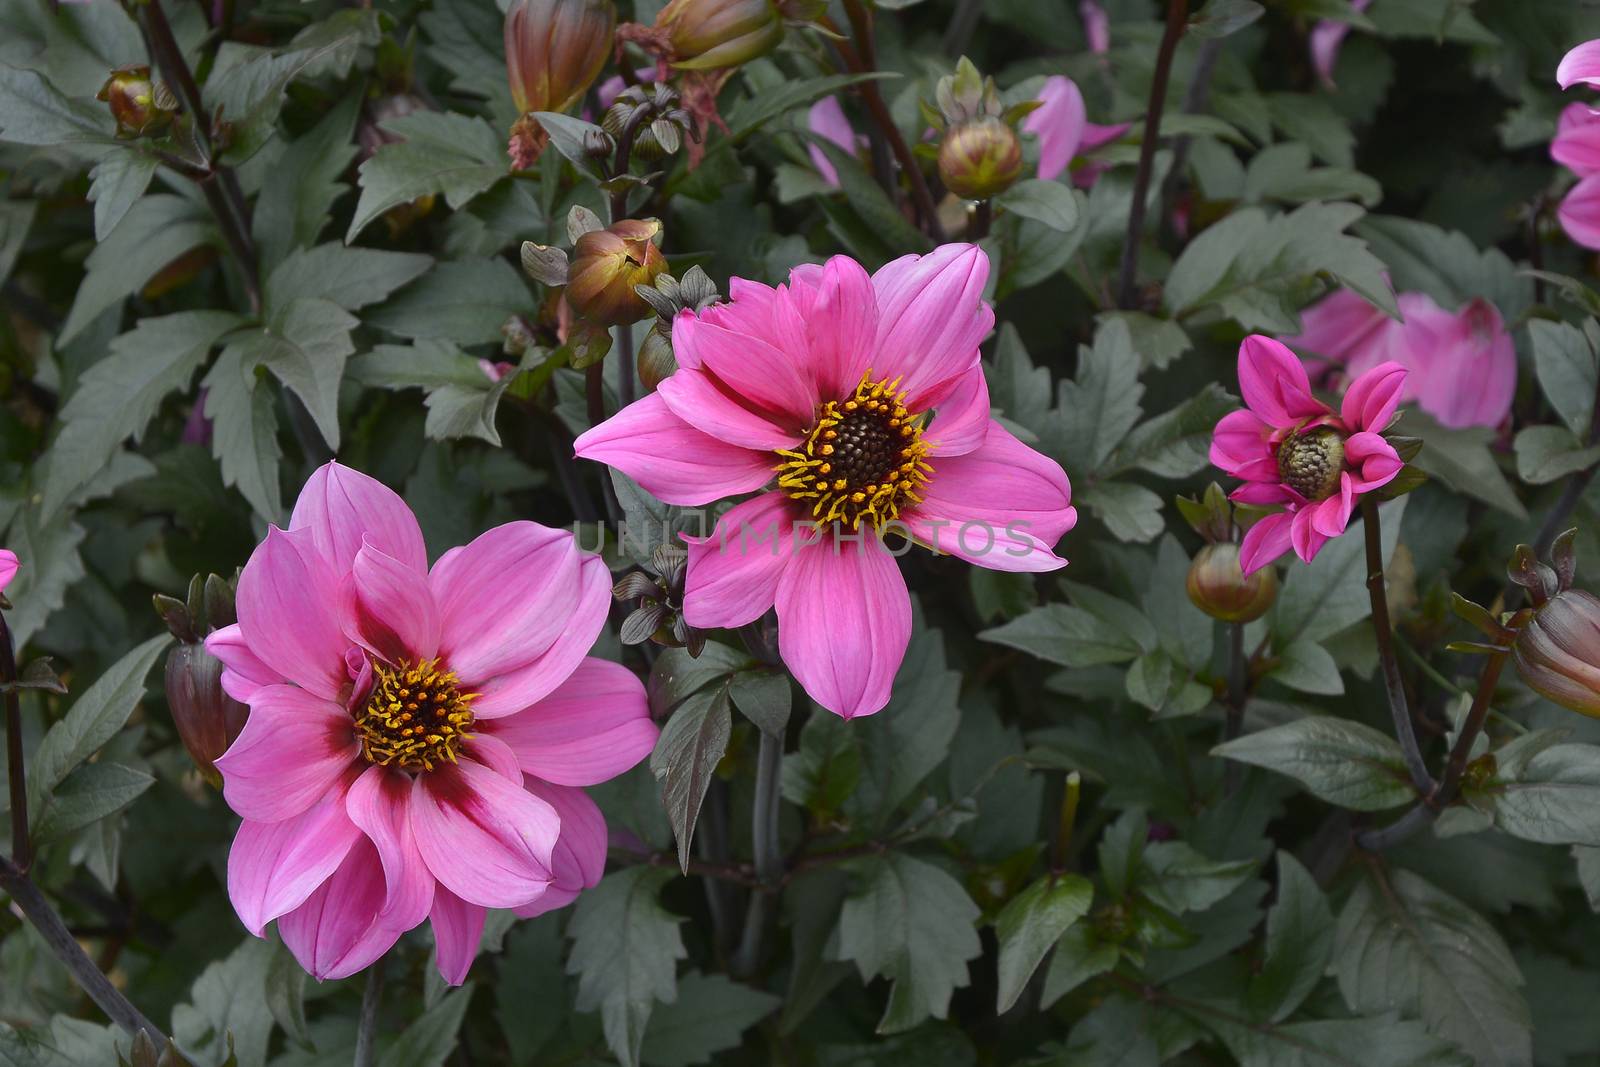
[[418, 739], [1293, 451], [862, 395]]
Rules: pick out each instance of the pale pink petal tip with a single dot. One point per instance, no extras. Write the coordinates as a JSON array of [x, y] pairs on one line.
[[8, 567], [827, 119], [1059, 123], [1372, 398], [1582, 64]]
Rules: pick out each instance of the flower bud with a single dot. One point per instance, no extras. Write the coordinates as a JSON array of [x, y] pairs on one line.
[[139, 105], [605, 267], [555, 49], [207, 719], [656, 359], [980, 159], [1558, 651], [1217, 585], [712, 34]]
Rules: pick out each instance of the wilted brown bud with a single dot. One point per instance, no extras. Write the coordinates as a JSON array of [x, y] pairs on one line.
[[1218, 586], [1558, 651], [207, 719], [712, 34], [656, 359], [138, 104], [555, 49], [605, 267], [980, 159]]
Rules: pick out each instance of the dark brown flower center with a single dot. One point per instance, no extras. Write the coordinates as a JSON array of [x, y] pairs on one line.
[[416, 717], [1310, 463]]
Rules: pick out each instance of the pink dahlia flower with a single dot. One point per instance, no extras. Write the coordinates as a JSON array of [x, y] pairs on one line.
[[863, 396], [1061, 123], [418, 739], [1293, 451], [1096, 26], [1326, 39], [8, 567], [1577, 147]]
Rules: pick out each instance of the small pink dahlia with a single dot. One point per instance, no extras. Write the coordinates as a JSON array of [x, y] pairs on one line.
[[8, 567], [863, 397], [417, 739], [1292, 450]]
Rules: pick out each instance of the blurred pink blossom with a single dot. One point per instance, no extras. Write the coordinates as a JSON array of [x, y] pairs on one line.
[[826, 119], [1096, 26], [1062, 126]]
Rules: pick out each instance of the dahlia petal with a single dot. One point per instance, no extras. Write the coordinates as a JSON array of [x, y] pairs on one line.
[[844, 621], [1375, 460], [672, 460], [389, 609], [288, 608], [1579, 212], [1265, 494], [579, 859], [1096, 135], [826, 119], [243, 672], [486, 840], [733, 574], [292, 751], [698, 398], [515, 690], [495, 754], [274, 866], [342, 507], [380, 804], [457, 933], [1058, 122], [1371, 400], [1471, 375], [1304, 536], [550, 900], [1264, 542], [1324, 42], [8, 567], [1340, 327], [961, 421], [504, 597], [841, 326], [335, 933], [593, 727], [931, 319], [1274, 384], [1576, 145], [750, 366], [1096, 26], [1581, 64], [1003, 506], [1243, 442], [1329, 517]]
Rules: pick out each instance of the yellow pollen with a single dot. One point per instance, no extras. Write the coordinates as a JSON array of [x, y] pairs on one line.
[[416, 717], [875, 458]]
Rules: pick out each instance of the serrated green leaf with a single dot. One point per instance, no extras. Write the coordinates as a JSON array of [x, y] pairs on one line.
[[36, 113], [351, 278], [115, 183], [465, 301], [710, 1014], [244, 432], [1553, 800], [444, 153], [432, 1036], [156, 230]]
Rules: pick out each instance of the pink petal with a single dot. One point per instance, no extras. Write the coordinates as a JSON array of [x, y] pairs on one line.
[[486, 840], [1242, 446], [1471, 375], [1274, 384], [551, 900], [293, 749], [1264, 542], [595, 726], [962, 420], [508, 693], [495, 754], [1096, 26], [733, 574], [751, 367], [274, 866], [844, 621], [1329, 517], [1304, 536], [244, 672], [826, 119], [457, 933], [389, 609], [1371, 400], [579, 859], [335, 933], [1582, 64], [1096, 135], [1326, 37], [1058, 122], [672, 460], [288, 604], [1375, 460], [1577, 143], [702, 401], [1340, 327], [380, 804], [343, 507], [505, 597], [1265, 494], [1580, 212], [931, 319], [1003, 506], [8, 567], [841, 325]]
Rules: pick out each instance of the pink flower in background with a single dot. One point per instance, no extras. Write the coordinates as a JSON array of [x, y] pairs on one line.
[[1062, 126], [417, 739], [8, 567], [1326, 38], [1582, 64], [1577, 147], [827, 119], [829, 383], [1096, 26], [1292, 451]]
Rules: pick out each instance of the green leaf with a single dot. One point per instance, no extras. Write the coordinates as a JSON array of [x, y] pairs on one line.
[[1049, 202], [692, 743], [1079, 956], [117, 397], [1299, 945], [1461, 459], [1553, 800], [1100, 405], [1369, 1041], [34, 112], [751, 112], [1284, 172], [53, 564], [1447, 265], [1403, 943], [156, 230], [1565, 359], [285, 992], [1150, 680], [823, 774], [431, 1037], [462, 400], [1180, 879], [465, 301], [1546, 453], [16, 219], [228, 1009], [1176, 443], [94, 718], [115, 183], [910, 922], [1344, 763], [1018, 388], [902, 744], [1330, 593], [1065, 635], [711, 1014], [244, 434], [1030, 924], [1219, 18], [90, 793], [293, 208], [1130, 512], [445, 153], [1314, 122], [677, 675], [352, 278], [869, 200], [304, 345], [1308, 667], [764, 697], [624, 952]]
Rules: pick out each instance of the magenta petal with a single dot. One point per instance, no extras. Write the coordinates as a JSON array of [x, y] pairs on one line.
[[751, 367], [844, 621], [841, 326], [486, 840], [1274, 384], [341, 507], [1580, 212], [1577, 143], [274, 866], [1340, 327], [243, 672], [1375, 460], [1003, 506], [1242, 442], [288, 604], [733, 574], [8, 567], [1329, 517], [550, 900], [293, 749], [1058, 122], [1304, 536], [699, 399], [1264, 542], [380, 804], [389, 610], [931, 319], [1472, 376], [495, 754], [457, 933], [1371, 400], [1265, 494], [595, 726], [826, 119], [671, 459], [1582, 64], [962, 420], [335, 933], [579, 859]]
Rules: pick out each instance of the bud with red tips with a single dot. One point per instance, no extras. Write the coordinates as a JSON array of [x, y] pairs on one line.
[[715, 34], [1217, 585], [607, 264], [207, 719], [139, 105], [555, 49], [980, 159], [1557, 648]]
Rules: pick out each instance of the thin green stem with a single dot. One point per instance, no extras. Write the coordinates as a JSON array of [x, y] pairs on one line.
[[1404, 729], [1238, 694], [367, 1029], [768, 854], [1177, 10], [16, 772]]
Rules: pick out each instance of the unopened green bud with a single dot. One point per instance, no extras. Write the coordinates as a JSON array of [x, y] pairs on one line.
[[139, 105], [980, 159], [1218, 586], [607, 264], [656, 359], [713, 34]]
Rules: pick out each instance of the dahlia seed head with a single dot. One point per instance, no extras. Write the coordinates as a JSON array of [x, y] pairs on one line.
[[1310, 463]]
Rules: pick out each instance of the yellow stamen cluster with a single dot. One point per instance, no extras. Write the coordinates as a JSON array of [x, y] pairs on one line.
[[864, 459], [416, 717]]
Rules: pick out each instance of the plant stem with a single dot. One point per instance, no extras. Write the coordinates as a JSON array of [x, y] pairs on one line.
[[594, 390], [1238, 693], [1404, 730], [982, 219], [625, 365], [1194, 101], [16, 773], [65, 948], [962, 22], [367, 1029], [768, 856], [1177, 11]]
